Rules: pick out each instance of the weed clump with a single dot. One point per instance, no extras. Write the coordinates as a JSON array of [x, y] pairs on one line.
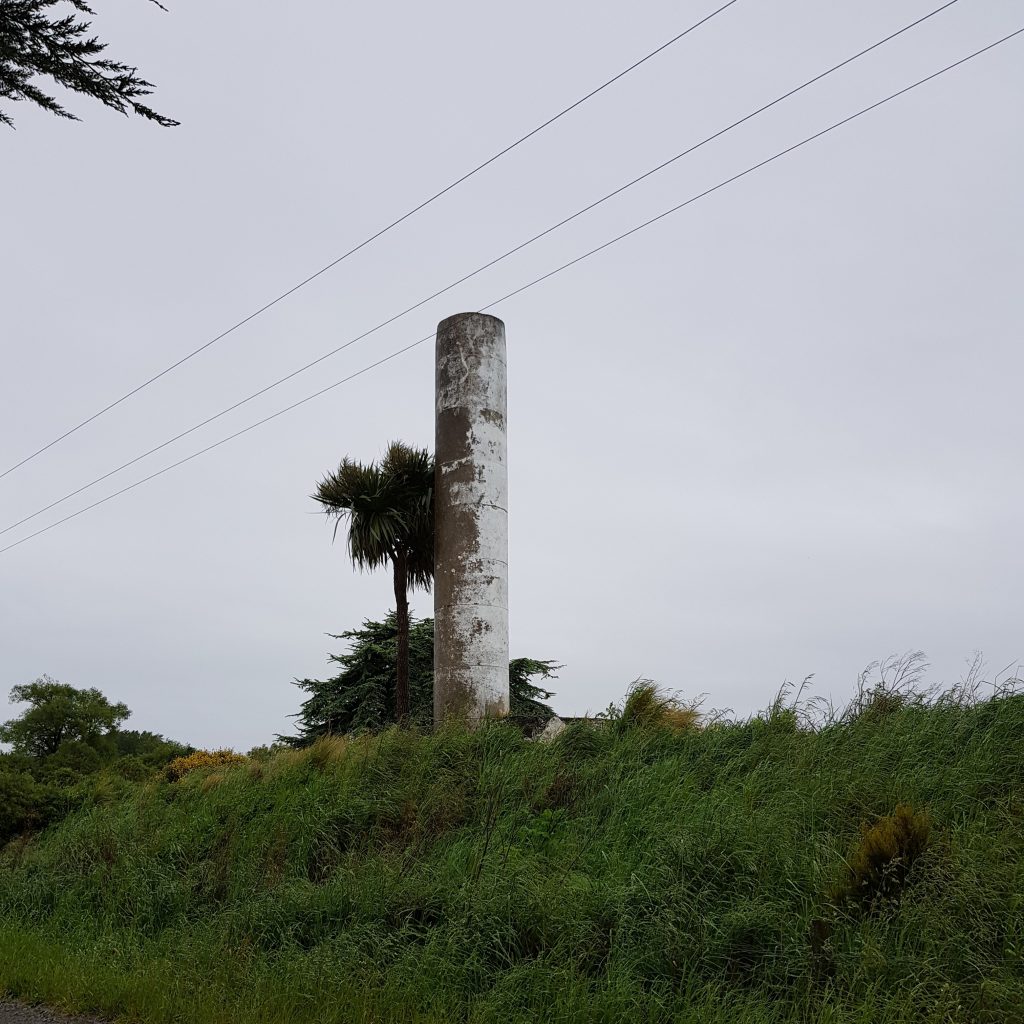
[[181, 766], [878, 868]]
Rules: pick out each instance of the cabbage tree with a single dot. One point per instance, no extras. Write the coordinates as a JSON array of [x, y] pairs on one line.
[[388, 507]]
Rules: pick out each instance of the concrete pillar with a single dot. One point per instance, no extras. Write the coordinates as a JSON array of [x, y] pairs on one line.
[[471, 520]]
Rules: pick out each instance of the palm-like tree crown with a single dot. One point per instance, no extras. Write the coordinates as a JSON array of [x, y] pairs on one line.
[[390, 510]]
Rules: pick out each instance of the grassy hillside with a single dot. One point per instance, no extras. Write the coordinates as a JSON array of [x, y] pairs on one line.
[[642, 870]]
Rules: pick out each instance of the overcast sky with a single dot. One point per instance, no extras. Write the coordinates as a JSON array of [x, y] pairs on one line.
[[777, 433]]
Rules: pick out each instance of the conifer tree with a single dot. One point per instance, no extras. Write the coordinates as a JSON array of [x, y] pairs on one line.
[[38, 42], [360, 697]]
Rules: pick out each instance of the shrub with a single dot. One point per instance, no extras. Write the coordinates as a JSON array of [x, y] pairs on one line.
[[76, 756], [265, 751], [878, 867], [181, 766], [132, 768], [25, 805], [63, 778]]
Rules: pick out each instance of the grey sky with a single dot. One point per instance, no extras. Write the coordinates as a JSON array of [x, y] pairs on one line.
[[778, 433]]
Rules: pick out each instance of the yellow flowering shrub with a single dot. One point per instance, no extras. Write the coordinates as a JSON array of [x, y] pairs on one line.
[[181, 766]]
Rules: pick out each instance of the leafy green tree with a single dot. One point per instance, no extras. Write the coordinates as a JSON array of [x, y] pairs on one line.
[[389, 508], [360, 696], [152, 748], [57, 714], [75, 757], [36, 41]]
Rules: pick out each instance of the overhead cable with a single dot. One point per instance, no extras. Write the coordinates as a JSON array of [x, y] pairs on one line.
[[479, 270], [372, 238], [544, 277]]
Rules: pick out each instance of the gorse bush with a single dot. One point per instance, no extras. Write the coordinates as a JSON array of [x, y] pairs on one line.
[[199, 759], [636, 872]]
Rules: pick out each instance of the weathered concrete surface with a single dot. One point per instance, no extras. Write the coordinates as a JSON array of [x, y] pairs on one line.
[[471, 520]]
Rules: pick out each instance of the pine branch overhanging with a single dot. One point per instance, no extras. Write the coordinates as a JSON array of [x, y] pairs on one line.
[[35, 42]]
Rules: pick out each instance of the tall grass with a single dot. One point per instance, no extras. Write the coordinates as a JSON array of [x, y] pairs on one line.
[[654, 871]]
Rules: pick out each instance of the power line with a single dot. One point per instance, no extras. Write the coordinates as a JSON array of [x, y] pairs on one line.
[[486, 266], [372, 238], [544, 277]]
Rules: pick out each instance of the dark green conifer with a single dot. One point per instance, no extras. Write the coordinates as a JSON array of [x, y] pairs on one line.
[[361, 696], [37, 42]]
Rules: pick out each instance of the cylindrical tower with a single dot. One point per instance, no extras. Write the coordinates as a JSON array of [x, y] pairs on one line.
[[471, 520]]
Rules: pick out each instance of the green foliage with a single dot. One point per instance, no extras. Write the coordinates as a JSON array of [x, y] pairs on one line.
[[36, 42], [616, 874], [152, 748], [585, 740], [265, 751], [389, 509], [132, 768], [67, 748], [24, 804], [17, 764], [620, 871], [57, 714], [361, 696], [527, 705], [75, 757]]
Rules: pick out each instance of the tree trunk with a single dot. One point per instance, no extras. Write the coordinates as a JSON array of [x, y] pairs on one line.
[[402, 625]]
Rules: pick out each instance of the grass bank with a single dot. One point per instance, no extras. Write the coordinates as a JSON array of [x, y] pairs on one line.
[[645, 870]]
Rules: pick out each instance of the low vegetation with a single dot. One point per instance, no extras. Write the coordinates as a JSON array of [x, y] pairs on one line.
[[65, 744], [806, 865]]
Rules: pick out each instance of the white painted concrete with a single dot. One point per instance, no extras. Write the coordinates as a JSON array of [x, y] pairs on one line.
[[471, 649]]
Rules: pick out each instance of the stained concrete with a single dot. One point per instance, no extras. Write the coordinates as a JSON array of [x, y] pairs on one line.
[[471, 517]]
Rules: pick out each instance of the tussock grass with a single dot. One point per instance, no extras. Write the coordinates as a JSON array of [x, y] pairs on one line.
[[636, 869], [650, 706], [881, 863]]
